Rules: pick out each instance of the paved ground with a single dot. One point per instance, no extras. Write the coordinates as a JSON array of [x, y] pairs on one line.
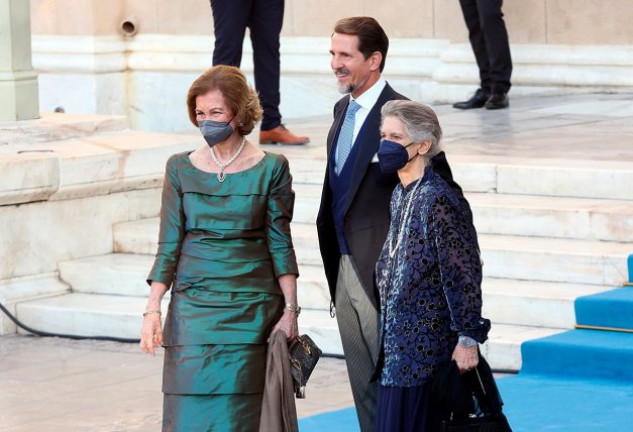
[[583, 126], [53, 385]]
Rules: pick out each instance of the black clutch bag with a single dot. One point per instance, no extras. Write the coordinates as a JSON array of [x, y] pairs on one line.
[[304, 355]]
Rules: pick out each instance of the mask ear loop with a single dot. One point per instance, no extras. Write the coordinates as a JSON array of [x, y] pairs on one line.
[[416, 153]]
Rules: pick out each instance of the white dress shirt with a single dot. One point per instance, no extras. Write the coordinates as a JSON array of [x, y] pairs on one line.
[[366, 101]]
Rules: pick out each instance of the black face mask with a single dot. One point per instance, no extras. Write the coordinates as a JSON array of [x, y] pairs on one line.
[[214, 131], [392, 156]]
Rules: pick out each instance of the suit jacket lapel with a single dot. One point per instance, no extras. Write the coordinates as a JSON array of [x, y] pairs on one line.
[[369, 139], [339, 115]]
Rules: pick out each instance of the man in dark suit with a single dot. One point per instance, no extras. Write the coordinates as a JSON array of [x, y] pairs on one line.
[[353, 218], [264, 18], [489, 40]]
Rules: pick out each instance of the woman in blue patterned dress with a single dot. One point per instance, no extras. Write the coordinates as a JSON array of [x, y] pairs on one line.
[[428, 274]]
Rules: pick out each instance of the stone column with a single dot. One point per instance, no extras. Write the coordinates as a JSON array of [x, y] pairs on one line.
[[18, 81]]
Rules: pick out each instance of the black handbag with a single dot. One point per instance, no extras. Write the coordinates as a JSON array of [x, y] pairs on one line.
[[470, 402], [475, 425], [483, 417], [304, 355]]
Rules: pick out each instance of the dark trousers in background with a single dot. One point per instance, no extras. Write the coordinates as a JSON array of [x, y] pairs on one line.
[[264, 18], [489, 40], [357, 321]]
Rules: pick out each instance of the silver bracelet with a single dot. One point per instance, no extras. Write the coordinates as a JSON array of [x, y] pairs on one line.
[[152, 312], [293, 307]]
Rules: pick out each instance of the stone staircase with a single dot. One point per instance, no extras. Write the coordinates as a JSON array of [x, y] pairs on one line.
[[550, 230], [65, 181]]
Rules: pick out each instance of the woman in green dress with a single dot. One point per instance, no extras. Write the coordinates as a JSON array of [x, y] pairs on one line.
[[226, 252]]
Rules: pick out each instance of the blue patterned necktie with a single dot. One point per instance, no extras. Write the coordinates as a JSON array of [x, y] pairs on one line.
[[346, 136]]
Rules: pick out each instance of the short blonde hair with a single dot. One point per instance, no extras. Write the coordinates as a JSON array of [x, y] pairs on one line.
[[239, 97]]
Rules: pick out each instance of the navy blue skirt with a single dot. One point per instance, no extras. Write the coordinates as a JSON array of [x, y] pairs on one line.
[[405, 409]]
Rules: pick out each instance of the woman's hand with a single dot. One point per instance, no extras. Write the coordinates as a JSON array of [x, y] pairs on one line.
[[466, 358], [152, 329], [288, 324], [151, 333]]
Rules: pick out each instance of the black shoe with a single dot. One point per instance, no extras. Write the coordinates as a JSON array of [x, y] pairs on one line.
[[497, 101], [477, 101]]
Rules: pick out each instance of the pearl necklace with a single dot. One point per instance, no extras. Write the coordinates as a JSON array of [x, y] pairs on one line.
[[222, 174], [404, 221]]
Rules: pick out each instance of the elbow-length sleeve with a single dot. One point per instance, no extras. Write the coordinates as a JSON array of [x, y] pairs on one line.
[[460, 268], [278, 217], [172, 227]]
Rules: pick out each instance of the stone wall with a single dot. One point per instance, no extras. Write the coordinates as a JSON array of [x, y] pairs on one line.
[[87, 63], [567, 22]]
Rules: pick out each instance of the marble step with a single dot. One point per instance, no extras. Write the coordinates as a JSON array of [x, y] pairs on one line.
[[120, 316], [506, 301], [529, 303], [563, 178], [510, 257], [523, 258], [111, 274], [503, 347], [524, 215], [136, 237], [86, 166], [140, 237], [554, 260], [595, 179], [572, 218], [542, 216], [21, 289], [86, 315], [124, 274], [59, 126]]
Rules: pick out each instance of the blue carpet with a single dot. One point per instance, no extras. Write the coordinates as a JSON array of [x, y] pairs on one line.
[[335, 421], [533, 404], [588, 354], [612, 308]]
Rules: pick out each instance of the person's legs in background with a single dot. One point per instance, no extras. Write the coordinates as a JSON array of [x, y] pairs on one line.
[[264, 18], [476, 36], [489, 41], [265, 22], [495, 37], [230, 18]]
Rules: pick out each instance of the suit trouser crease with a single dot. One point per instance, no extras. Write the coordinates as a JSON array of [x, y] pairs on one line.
[[489, 40], [264, 18], [358, 325]]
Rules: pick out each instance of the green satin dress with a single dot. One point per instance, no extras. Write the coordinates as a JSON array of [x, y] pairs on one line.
[[221, 247]]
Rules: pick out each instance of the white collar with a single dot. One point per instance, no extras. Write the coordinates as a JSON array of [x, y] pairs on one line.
[[369, 98]]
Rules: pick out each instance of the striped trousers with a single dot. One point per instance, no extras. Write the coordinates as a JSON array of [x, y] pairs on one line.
[[358, 325]]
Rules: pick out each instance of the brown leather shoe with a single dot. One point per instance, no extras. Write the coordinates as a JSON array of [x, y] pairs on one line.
[[281, 135]]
